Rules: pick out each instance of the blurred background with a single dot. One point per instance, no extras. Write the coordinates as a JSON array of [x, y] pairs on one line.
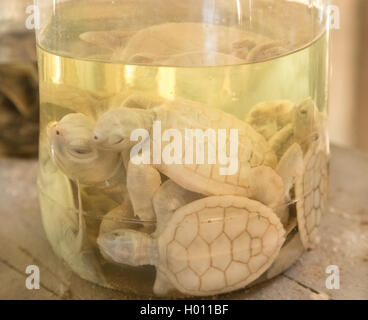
[[349, 76], [19, 96], [19, 108]]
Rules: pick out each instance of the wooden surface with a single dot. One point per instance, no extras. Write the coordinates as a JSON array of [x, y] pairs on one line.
[[343, 242]]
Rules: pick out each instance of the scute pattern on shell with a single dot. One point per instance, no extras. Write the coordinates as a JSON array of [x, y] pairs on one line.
[[219, 244], [253, 147], [311, 194], [253, 150]]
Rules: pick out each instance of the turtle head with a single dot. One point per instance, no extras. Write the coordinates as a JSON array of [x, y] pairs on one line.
[[128, 247], [305, 119], [70, 138], [74, 153], [114, 128]]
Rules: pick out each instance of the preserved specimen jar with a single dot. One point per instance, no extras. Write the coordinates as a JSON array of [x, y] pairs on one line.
[[183, 145]]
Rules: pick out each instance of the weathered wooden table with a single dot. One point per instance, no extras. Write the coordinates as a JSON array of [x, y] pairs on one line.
[[343, 242]]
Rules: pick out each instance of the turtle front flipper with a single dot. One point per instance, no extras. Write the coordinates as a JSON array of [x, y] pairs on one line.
[[265, 185], [290, 167], [168, 198], [142, 182]]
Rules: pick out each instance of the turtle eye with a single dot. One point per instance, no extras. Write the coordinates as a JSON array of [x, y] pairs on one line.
[[80, 152]]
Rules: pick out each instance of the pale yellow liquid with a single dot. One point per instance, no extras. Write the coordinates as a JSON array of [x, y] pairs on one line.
[[67, 85]]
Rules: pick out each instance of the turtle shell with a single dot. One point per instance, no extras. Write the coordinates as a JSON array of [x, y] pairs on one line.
[[205, 178], [219, 244], [311, 194]]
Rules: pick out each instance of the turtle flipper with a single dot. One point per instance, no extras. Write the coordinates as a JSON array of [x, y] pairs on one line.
[[129, 247], [290, 167], [142, 183], [265, 178], [162, 285], [168, 198]]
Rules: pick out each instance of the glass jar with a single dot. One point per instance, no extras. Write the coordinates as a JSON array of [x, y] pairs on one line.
[[183, 145]]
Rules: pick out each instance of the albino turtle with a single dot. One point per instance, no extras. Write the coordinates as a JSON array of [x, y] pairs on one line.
[[310, 188], [199, 44], [282, 123], [256, 163], [78, 158], [122, 217], [270, 117], [307, 129], [210, 246]]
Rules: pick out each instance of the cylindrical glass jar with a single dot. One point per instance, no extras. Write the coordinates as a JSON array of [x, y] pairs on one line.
[[183, 145]]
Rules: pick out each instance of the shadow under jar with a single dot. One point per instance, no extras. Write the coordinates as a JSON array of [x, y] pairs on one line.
[[183, 145]]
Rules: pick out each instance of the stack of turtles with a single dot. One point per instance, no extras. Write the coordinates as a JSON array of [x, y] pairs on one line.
[[214, 234], [282, 123]]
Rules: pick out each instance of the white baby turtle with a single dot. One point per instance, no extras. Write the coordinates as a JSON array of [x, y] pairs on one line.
[[305, 128], [210, 246], [199, 43], [72, 149], [256, 163], [270, 117], [282, 123], [310, 191]]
